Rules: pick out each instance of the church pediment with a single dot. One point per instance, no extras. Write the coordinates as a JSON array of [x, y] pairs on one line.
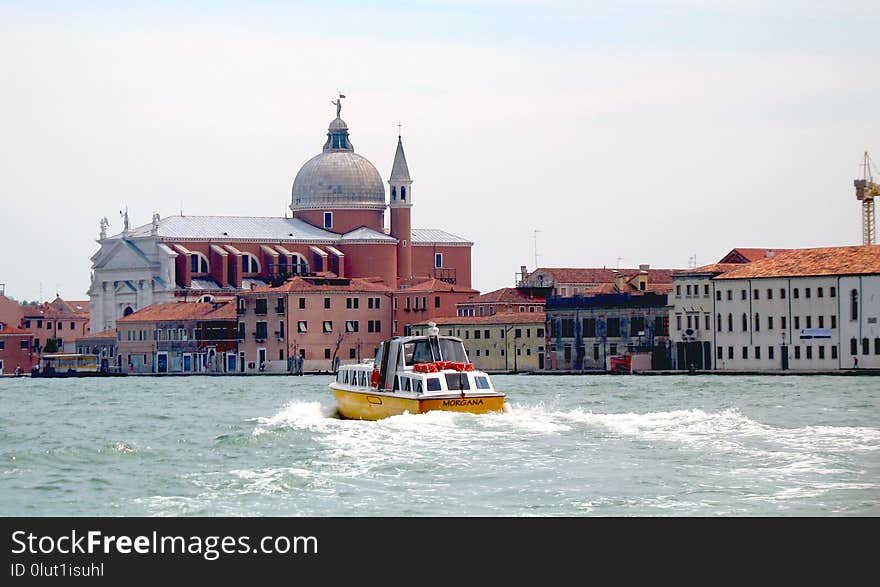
[[122, 254]]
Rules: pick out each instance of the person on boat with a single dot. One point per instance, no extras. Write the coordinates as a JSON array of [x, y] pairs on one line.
[[17, 370], [262, 366]]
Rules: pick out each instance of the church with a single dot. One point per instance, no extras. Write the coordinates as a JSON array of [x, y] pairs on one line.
[[336, 230]]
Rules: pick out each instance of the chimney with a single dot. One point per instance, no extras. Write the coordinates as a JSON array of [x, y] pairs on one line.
[[644, 267], [619, 280]]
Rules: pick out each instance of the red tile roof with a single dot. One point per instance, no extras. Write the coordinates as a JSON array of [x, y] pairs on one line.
[[600, 275], [110, 333], [176, 311], [713, 268], [8, 330], [502, 318], [307, 284], [428, 285], [858, 260], [743, 255], [505, 295]]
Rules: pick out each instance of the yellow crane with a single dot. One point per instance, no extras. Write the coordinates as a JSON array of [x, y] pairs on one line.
[[866, 191]]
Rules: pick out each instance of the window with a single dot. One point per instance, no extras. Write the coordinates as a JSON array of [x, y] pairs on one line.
[[352, 326], [326, 303], [378, 303], [393, 192], [729, 295], [745, 322], [769, 293], [302, 326], [821, 321], [281, 330], [302, 303], [613, 327], [757, 323], [328, 326], [853, 346], [797, 352], [678, 291], [718, 296], [328, 223], [820, 293], [866, 348], [486, 334], [729, 322], [809, 352], [705, 290], [352, 353], [755, 294], [821, 349], [809, 321], [782, 293], [745, 353], [720, 352], [326, 353], [834, 351], [769, 322], [688, 289], [742, 294], [518, 333], [807, 295], [198, 263], [854, 305], [795, 293], [403, 193], [637, 324], [797, 322], [262, 331], [833, 321], [436, 301], [757, 352], [261, 306], [833, 293], [249, 263], [769, 352], [718, 324], [539, 333], [477, 334], [782, 322], [438, 260]]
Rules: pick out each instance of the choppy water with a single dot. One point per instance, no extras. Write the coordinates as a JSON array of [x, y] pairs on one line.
[[571, 446]]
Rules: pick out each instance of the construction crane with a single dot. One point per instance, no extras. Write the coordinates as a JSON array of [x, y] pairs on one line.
[[866, 191]]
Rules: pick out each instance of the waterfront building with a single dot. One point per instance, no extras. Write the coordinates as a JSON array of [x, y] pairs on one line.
[[16, 350], [102, 344], [337, 229], [504, 300], [179, 337], [565, 282], [692, 323], [505, 342], [801, 309], [312, 324], [585, 331], [58, 321]]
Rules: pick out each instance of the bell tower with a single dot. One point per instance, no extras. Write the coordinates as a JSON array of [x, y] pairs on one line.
[[401, 207]]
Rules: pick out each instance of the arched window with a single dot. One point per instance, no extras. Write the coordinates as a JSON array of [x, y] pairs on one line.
[[854, 305], [866, 347], [745, 322], [718, 327], [249, 263], [300, 265], [198, 263], [730, 323], [853, 346], [128, 311], [757, 322], [403, 193], [393, 192]]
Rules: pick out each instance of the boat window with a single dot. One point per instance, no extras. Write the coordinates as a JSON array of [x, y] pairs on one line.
[[482, 382], [417, 385], [396, 383], [457, 381], [417, 351], [433, 383], [452, 350], [407, 384], [363, 379]]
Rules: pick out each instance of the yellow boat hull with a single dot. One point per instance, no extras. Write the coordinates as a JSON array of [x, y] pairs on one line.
[[361, 405]]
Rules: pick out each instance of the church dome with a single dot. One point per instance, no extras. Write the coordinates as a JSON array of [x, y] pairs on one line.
[[338, 177]]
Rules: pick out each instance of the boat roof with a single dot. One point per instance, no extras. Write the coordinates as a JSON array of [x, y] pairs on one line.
[[67, 355], [423, 337]]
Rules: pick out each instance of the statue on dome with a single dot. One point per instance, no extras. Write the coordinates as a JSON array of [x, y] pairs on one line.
[[104, 224], [338, 104], [154, 229]]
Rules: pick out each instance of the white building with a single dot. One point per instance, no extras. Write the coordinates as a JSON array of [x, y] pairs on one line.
[[800, 310]]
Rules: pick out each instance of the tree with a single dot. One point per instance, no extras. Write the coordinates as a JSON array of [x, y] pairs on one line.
[[51, 345]]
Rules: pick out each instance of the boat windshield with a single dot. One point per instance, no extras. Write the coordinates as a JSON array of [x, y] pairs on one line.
[[417, 351], [452, 350]]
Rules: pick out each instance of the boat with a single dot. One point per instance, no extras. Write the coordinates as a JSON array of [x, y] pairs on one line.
[[72, 365], [415, 374]]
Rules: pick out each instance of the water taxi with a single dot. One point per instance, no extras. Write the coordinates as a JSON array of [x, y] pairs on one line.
[[415, 374], [71, 365]]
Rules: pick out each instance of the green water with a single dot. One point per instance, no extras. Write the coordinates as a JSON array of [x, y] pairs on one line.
[[570, 446]]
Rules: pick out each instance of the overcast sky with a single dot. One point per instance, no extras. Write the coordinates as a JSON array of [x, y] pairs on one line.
[[633, 131]]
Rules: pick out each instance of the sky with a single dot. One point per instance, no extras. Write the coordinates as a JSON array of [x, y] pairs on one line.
[[556, 134]]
